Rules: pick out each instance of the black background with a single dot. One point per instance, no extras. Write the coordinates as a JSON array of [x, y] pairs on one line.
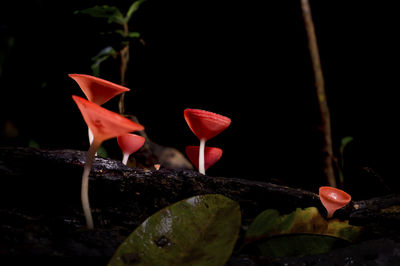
[[247, 60]]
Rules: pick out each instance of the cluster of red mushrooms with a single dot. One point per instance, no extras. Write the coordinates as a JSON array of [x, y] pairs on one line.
[[104, 124], [205, 125]]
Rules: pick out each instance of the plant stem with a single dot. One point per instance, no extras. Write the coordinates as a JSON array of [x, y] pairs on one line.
[[124, 53], [201, 156], [321, 94], [125, 158], [85, 183], [124, 68]]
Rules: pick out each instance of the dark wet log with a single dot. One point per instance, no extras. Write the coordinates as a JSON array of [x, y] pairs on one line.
[[56, 174], [42, 218], [111, 182]]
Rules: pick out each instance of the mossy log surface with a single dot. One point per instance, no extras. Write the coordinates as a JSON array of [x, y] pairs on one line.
[[42, 217]]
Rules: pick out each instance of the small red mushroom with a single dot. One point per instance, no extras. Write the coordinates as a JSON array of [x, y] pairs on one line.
[[129, 143], [97, 90], [333, 199], [105, 125], [205, 125], [211, 155]]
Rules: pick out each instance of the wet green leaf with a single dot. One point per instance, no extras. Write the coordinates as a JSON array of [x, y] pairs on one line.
[[201, 230], [301, 232]]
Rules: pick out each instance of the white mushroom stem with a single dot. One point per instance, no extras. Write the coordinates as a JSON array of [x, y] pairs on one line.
[[125, 158], [202, 169], [85, 183], [91, 137]]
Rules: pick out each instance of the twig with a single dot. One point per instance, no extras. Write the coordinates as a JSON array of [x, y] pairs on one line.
[[322, 101], [124, 53]]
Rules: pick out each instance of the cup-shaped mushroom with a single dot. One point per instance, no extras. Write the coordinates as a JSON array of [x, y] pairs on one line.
[[103, 123], [129, 143], [211, 155], [97, 90], [333, 199], [204, 124]]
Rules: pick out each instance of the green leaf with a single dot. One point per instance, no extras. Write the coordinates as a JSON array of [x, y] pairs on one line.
[[103, 55], [132, 9], [345, 141], [107, 51], [299, 245], [130, 34], [102, 152], [111, 13], [301, 232], [134, 35], [201, 230]]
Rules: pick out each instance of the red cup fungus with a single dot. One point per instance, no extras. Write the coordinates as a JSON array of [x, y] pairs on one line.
[[129, 143], [211, 155], [205, 125], [97, 90], [105, 125], [333, 199]]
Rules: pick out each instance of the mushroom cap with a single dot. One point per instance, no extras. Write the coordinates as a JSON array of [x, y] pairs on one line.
[[333, 198], [211, 155], [103, 123], [130, 143], [204, 124], [97, 90]]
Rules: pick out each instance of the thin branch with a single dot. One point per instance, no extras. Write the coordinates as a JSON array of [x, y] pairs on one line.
[[124, 53], [322, 101]]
